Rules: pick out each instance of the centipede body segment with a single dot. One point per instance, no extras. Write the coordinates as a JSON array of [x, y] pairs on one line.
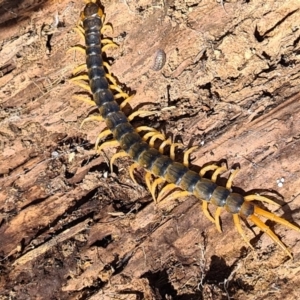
[[161, 168]]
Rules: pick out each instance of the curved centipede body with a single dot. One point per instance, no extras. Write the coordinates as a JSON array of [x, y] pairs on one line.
[[159, 167]]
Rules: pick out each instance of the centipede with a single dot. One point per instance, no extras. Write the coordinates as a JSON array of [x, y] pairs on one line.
[[176, 179]]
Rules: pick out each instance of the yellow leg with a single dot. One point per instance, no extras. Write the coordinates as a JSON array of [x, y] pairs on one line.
[[148, 177], [105, 27], [230, 179], [115, 88], [116, 156], [80, 48], [155, 137], [176, 195], [121, 95], [217, 172], [156, 182], [164, 144], [80, 31], [150, 134], [145, 128], [206, 212], [217, 218], [107, 46], [270, 233], [91, 118], [153, 134], [187, 155], [103, 15], [84, 99], [237, 223], [140, 113], [107, 66], [80, 27], [260, 198], [113, 143], [208, 168], [111, 79], [172, 149], [131, 170], [166, 189], [103, 134], [83, 85], [107, 41], [84, 77], [123, 104], [79, 69]]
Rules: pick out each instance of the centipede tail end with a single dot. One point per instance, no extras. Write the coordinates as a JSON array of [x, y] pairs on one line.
[[252, 212]]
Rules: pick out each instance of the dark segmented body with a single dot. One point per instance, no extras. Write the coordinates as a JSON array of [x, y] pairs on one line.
[[159, 60], [130, 141]]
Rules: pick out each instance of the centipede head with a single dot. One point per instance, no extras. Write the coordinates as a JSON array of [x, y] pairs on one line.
[[91, 9]]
